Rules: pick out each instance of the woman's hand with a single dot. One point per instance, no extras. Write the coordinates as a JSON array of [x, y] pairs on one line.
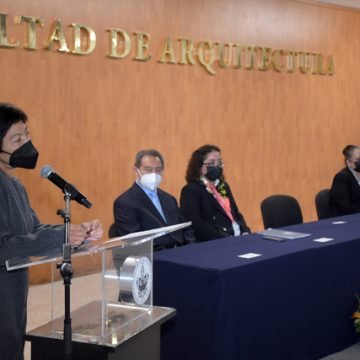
[[87, 231]]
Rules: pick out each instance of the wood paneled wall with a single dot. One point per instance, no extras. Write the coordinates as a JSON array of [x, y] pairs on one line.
[[279, 132]]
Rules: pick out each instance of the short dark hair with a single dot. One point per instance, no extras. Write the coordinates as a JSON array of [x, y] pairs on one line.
[[348, 151], [9, 115], [148, 152], [196, 162]]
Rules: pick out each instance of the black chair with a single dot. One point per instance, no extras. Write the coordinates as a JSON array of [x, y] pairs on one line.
[[322, 203], [280, 210], [112, 231]]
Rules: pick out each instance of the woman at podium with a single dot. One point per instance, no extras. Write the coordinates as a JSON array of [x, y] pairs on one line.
[[21, 233]]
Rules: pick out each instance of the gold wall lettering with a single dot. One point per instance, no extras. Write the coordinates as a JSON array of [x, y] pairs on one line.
[[142, 46], [30, 30], [86, 46], [210, 55], [168, 53], [225, 54], [56, 35], [186, 52], [4, 42], [206, 56], [120, 43]]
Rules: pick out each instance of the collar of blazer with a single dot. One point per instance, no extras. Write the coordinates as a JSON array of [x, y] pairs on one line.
[[148, 204], [354, 175], [213, 199]]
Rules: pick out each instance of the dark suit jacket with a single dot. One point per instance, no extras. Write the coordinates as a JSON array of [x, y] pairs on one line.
[[209, 220], [134, 211], [344, 194]]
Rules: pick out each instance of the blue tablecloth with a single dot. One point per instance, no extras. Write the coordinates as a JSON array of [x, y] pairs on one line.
[[293, 302]]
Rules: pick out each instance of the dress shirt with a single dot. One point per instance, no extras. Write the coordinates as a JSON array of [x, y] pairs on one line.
[[153, 196]]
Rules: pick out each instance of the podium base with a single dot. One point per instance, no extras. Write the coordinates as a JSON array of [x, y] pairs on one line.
[[140, 340]]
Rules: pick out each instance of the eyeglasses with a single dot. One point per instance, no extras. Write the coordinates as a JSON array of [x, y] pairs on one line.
[[214, 163]]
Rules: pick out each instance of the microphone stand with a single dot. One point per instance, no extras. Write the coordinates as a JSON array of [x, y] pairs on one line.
[[66, 272]]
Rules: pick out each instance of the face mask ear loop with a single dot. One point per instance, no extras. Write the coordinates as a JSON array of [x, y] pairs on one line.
[[138, 171], [7, 153]]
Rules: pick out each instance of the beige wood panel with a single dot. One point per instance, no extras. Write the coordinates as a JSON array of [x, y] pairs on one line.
[[280, 132]]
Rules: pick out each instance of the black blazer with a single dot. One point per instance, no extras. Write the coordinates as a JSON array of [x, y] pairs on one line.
[[344, 194], [209, 220], [134, 211]]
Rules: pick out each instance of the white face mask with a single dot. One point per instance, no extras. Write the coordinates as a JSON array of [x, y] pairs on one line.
[[150, 181]]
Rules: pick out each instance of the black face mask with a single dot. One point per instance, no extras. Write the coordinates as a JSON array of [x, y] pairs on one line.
[[213, 172], [357, 166], [24, 157]]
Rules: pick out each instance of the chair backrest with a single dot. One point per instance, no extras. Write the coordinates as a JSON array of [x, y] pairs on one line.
[[322, 203], [112, 231], [280, 210]]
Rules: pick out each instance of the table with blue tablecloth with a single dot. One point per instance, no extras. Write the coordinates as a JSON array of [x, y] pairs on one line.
[[295, 301]]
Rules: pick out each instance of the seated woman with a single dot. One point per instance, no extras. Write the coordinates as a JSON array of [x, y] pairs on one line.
[[207, 200], [345, 189]]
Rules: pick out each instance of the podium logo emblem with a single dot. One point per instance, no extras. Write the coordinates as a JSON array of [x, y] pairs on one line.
[[142, 283], [136, 279]]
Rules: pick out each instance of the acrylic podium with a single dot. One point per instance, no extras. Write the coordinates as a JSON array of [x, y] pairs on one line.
[[119, 321]]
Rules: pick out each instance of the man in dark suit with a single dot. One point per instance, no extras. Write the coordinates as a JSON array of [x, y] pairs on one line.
[[345, 189], [144, 206]]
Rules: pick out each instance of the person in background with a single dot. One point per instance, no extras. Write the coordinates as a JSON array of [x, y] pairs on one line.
[[207, 200], [345, 188], [21, 233], [144, 206]]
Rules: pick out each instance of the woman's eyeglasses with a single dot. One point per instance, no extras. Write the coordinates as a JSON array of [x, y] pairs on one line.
[[214, 163]]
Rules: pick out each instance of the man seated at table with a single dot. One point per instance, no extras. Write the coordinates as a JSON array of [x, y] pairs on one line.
[[144, 206], [345, 189]]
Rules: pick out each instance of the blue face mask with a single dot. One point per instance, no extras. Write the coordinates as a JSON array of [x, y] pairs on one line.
[[24, 157]]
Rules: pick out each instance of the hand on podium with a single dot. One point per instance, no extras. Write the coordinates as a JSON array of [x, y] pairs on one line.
[[87, 231]]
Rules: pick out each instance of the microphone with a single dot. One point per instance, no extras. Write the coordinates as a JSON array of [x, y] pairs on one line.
[[47, 172]]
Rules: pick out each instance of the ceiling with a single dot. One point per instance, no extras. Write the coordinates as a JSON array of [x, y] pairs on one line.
[[355, 4]]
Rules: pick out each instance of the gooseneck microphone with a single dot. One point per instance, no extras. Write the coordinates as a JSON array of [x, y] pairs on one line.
[[47, 172]]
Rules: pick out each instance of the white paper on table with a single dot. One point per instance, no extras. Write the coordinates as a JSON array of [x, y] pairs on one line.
[[323, 240], [249, 255]]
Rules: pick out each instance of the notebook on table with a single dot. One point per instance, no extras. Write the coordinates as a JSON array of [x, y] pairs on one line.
[[283, 234]]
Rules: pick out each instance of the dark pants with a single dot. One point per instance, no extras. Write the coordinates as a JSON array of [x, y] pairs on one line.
[[14, 287]]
